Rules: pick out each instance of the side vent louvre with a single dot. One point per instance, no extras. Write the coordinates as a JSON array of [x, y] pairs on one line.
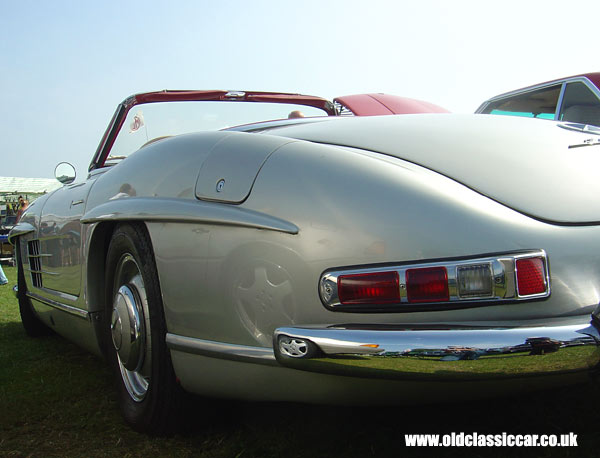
[[35, 262]]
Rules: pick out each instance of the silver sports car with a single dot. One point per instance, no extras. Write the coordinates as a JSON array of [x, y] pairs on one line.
[[317, 257]]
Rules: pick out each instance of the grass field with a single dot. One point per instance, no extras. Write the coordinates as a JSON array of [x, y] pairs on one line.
[[57, 400]]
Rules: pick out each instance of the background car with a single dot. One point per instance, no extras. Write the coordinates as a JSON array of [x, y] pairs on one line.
[[575, 99], [361, 259]]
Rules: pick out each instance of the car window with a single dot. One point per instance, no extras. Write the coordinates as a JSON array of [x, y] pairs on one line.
[[580, 105], [146, 123], [540, 103]]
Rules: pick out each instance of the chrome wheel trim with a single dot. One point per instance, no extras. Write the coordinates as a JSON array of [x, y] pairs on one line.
[[130, 328]]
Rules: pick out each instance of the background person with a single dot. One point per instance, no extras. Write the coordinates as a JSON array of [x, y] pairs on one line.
[[3, 279]]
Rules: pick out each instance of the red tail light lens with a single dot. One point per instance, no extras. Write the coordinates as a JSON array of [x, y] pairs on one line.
[[369, 288], [530, 276], [429, 284]]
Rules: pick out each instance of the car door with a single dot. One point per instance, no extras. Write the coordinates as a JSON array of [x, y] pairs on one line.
[[60, 238]]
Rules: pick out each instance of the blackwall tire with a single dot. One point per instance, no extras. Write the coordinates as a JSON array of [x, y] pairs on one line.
[[148, 394]]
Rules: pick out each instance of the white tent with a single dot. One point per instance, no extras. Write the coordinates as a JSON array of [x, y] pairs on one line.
[[16, 185]]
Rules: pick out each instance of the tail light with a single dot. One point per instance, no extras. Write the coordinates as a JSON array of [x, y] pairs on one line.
[[428, 284], [368, 288], [510, 277], [531, 278]]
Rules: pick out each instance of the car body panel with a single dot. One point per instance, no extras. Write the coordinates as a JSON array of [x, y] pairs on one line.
[[227, 176]]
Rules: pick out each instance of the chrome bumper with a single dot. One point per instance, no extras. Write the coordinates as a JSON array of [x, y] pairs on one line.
[[440, 353]]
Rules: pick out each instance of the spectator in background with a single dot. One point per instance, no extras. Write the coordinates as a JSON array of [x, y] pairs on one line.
[[23, 204], [3, 279]]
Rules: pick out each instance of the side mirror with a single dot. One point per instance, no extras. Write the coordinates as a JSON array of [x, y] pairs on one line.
[[65, 173]]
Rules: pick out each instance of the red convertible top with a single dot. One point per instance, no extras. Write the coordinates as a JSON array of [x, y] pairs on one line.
[[386, 104]]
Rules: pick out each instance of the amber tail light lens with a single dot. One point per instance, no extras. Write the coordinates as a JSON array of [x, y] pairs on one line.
[[369, 288], [530, 276], [429, 284]]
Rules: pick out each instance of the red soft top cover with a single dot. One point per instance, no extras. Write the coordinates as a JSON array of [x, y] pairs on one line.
[[386, 104]]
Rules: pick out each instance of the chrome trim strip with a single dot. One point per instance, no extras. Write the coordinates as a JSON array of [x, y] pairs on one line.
[[187, 211], [59, 306], [41, 272], [440, 354], [221, 350]]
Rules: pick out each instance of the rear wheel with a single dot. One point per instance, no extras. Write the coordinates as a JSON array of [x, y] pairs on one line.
[[31, 323], [149, 396]]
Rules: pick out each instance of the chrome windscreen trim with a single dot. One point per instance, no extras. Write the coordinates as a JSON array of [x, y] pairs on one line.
[[222, 350], [60, 306]]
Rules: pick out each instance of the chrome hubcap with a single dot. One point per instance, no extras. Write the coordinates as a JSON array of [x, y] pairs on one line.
[[129, 327]]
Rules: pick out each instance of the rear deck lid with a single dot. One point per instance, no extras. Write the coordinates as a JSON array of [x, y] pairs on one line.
[[544, 169]]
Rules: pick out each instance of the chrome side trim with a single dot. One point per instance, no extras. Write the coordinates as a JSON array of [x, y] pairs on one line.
[[46, 272], [189, 211], [59, 306], [221, 350], [445, 353]]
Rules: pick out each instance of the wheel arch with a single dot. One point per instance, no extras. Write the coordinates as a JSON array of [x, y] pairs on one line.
[[96, 264]]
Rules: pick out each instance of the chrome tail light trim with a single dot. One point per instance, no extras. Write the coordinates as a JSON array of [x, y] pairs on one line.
[[503, 278]]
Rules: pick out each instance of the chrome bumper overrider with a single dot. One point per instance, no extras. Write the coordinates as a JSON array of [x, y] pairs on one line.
[[439, 353]]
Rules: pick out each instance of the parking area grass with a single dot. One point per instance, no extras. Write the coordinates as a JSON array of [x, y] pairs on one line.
[[58, 400]]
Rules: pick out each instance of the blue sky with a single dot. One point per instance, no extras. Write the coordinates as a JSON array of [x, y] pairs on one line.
[[67, 64]]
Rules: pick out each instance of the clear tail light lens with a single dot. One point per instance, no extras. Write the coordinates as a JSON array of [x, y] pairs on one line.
[[474, 280], [369, 288]]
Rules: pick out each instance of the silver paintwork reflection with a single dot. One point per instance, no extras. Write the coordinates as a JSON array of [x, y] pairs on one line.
[[22, 228]]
